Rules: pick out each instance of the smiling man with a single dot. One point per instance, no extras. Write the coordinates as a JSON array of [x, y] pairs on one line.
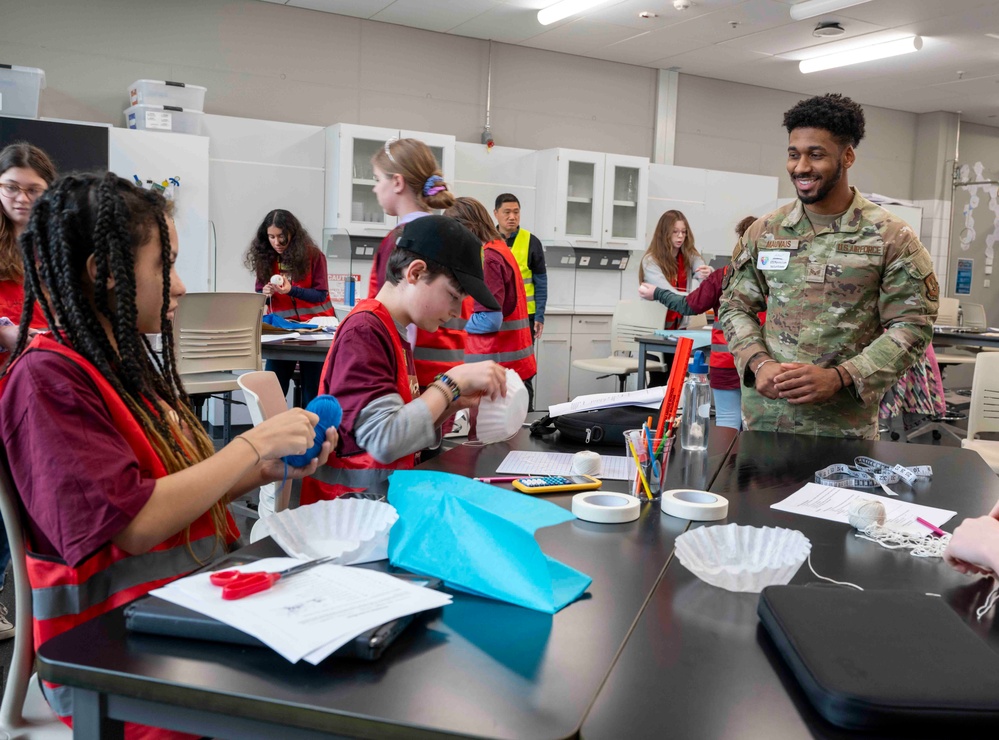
[[849, 291]]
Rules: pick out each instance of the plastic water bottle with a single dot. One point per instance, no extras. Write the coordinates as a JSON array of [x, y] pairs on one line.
[[696, 405]]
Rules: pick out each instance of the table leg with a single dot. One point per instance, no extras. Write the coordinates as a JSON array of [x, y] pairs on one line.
[[641, 366], [90, 717]]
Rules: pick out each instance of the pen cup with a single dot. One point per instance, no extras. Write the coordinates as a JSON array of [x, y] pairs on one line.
[[653, 467]]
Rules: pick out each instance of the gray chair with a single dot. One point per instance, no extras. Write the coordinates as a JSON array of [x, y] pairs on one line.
[[217, 335], [632, 319]]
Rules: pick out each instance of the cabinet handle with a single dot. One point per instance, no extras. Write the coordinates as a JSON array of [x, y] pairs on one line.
[[595, 321], [586, 241], [624, 244]]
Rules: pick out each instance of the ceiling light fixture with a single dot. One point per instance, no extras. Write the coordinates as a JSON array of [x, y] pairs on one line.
[[564, 9], [812, 8], [862, 54]]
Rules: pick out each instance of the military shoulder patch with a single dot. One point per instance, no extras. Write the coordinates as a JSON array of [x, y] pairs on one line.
[[741, 259], [932, 287]]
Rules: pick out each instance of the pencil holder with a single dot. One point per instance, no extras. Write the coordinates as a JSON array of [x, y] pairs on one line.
[[651, 463]]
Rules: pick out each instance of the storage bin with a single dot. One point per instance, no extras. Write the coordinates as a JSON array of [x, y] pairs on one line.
[[164, 118], [164, 92], [19, 90]]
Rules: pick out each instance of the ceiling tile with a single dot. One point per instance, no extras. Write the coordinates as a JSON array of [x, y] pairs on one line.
[[440, 15], [355, 8], [797, 35], [646, 47], [581, 32], [626, 13], [504, 22]]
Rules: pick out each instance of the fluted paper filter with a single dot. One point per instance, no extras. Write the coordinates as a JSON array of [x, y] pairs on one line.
[[743, 558], [500, 419], [352, 530]]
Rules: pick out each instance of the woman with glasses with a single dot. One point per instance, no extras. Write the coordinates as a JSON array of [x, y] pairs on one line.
[[25, 173]]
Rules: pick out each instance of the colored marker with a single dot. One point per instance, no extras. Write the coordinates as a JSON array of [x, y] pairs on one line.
[[507, 479], [935, 529]]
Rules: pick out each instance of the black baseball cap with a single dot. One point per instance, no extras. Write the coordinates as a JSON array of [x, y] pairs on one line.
[[447, 242]]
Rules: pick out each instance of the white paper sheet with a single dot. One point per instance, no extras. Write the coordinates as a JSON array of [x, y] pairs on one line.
[[560, 463], [644, 397], [829, 502], [310, 614], [270, 338]]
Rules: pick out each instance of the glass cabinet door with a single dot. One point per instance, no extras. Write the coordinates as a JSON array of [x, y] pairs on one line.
[[364, 206], [580, 196], [350, 202], [625, 202]]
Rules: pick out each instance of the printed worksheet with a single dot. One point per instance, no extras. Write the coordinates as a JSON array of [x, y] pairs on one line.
[[560, 463], [832, 503], [648, 397]]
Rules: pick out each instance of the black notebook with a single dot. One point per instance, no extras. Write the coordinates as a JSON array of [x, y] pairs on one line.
[[882, 659]]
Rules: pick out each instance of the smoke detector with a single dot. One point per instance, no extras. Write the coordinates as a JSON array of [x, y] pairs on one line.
[[827, 29], [681, 4], [648, 15]]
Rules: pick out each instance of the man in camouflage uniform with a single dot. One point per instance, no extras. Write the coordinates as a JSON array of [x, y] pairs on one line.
[[849, 291]]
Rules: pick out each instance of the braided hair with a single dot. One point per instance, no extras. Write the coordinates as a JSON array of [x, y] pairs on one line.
[[104, 216]]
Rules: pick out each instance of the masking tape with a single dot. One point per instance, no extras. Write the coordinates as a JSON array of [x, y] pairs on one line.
[[698, 506], [605, 507]]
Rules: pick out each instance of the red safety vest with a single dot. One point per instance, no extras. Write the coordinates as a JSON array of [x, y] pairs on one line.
[[63, 596], [357, 472], [378, 265], [438, 351], [512, 346], [295, 309], [12, 304]]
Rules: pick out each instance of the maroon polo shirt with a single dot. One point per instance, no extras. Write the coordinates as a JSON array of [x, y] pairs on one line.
[[498, 275]]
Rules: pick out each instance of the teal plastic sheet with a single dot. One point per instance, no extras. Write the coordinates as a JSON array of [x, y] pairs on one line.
[[480, 539]]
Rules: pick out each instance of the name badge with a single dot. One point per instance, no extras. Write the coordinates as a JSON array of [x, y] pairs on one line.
[[773, 260], [780, 244]]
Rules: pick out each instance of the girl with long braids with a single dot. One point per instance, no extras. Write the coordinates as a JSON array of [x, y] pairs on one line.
[[121, 488], [283, 248]]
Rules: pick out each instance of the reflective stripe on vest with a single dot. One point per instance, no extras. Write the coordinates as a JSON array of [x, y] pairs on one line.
[[438, 351], [361, 471], [512, 345], [429, 354], [287, 307], [303, 310], [520, 248]]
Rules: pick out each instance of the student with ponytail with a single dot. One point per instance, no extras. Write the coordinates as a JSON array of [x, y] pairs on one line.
[[409, 184], [121, 488]]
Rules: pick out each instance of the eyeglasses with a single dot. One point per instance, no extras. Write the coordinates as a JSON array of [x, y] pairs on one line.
[[11, 190]]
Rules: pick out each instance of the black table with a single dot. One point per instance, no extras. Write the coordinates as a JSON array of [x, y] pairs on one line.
[[299, 351], [966, 338], [665, 346], [698, 665], [480, 669]]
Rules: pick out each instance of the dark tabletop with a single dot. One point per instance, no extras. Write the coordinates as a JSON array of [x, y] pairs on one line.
[[295, 349], [479, 668], [699, 666]]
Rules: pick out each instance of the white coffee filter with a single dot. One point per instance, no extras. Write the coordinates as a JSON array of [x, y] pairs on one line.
[[500, 419], [352, 530], [742, 558]]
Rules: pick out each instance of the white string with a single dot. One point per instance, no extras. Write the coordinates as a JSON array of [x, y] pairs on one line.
[[838, 583], [990, 601], [920, 546]]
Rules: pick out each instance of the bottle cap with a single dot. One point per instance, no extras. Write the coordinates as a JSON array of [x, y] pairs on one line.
[[697, 364]]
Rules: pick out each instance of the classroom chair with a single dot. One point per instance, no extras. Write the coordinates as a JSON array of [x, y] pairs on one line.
[[24, 713], [984, 413], [264, 399], [632, 319], [947, 317], [217, 334]]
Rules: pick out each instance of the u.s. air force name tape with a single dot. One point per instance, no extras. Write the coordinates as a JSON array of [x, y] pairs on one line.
[[698, 506], [605, 507], [866, 472]]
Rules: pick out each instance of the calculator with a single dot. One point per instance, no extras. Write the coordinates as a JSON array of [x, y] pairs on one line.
[[557, 483]]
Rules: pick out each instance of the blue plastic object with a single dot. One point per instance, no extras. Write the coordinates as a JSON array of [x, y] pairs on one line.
[[698, 365], [327, 408]]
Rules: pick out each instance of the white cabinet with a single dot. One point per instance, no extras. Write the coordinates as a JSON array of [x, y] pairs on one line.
[[591, 338], [592, 199], [351, 204], [551, 384]]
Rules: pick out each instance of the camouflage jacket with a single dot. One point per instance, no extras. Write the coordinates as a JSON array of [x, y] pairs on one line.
[[860, 294]]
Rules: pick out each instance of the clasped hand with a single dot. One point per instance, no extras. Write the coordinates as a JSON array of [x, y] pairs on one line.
[[796, 382]]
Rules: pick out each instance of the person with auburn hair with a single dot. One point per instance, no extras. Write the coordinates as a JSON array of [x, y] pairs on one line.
[[672, 262], [283, 248], [503, 336], [722, 375], [26, 172], [108, 459], [409, 185]]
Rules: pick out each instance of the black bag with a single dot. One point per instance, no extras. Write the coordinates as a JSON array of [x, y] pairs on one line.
[[597, 427]]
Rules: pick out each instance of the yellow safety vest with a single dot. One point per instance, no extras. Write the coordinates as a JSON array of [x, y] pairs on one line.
[[520, 248]]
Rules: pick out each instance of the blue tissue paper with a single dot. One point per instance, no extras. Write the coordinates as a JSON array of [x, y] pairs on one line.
[[480, 539], [279, 322]]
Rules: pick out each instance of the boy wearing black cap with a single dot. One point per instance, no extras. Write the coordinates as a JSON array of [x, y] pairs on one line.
[[435, 264]]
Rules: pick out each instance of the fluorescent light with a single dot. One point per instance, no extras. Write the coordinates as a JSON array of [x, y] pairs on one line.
[[863, 54], [564, 9], [812, 8]]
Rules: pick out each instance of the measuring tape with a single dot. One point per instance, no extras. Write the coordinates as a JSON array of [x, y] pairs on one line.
[[866, 472]]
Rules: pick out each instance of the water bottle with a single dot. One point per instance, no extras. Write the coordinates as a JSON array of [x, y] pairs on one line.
[[696, 405]]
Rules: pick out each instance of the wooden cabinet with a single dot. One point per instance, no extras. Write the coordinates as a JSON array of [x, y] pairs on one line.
[[592, 199], [351, 204]]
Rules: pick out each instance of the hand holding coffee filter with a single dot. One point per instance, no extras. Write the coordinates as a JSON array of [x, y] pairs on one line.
[[500, 419]]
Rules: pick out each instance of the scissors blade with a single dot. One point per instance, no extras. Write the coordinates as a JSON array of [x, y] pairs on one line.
[[306, 566]]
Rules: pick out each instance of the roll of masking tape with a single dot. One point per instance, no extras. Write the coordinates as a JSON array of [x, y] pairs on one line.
[[605, 507], [698, 506]]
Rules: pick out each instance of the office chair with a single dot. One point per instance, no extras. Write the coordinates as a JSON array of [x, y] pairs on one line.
[[264, 399], [24, 713], [632, 319], [984, 413], [217, 334]]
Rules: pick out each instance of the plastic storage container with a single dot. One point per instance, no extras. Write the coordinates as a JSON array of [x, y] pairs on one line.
[[164, 118], [19, 90], [696, 405], [164, 92]]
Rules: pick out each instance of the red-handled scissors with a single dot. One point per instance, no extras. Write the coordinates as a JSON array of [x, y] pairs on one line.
[[237, 584]]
